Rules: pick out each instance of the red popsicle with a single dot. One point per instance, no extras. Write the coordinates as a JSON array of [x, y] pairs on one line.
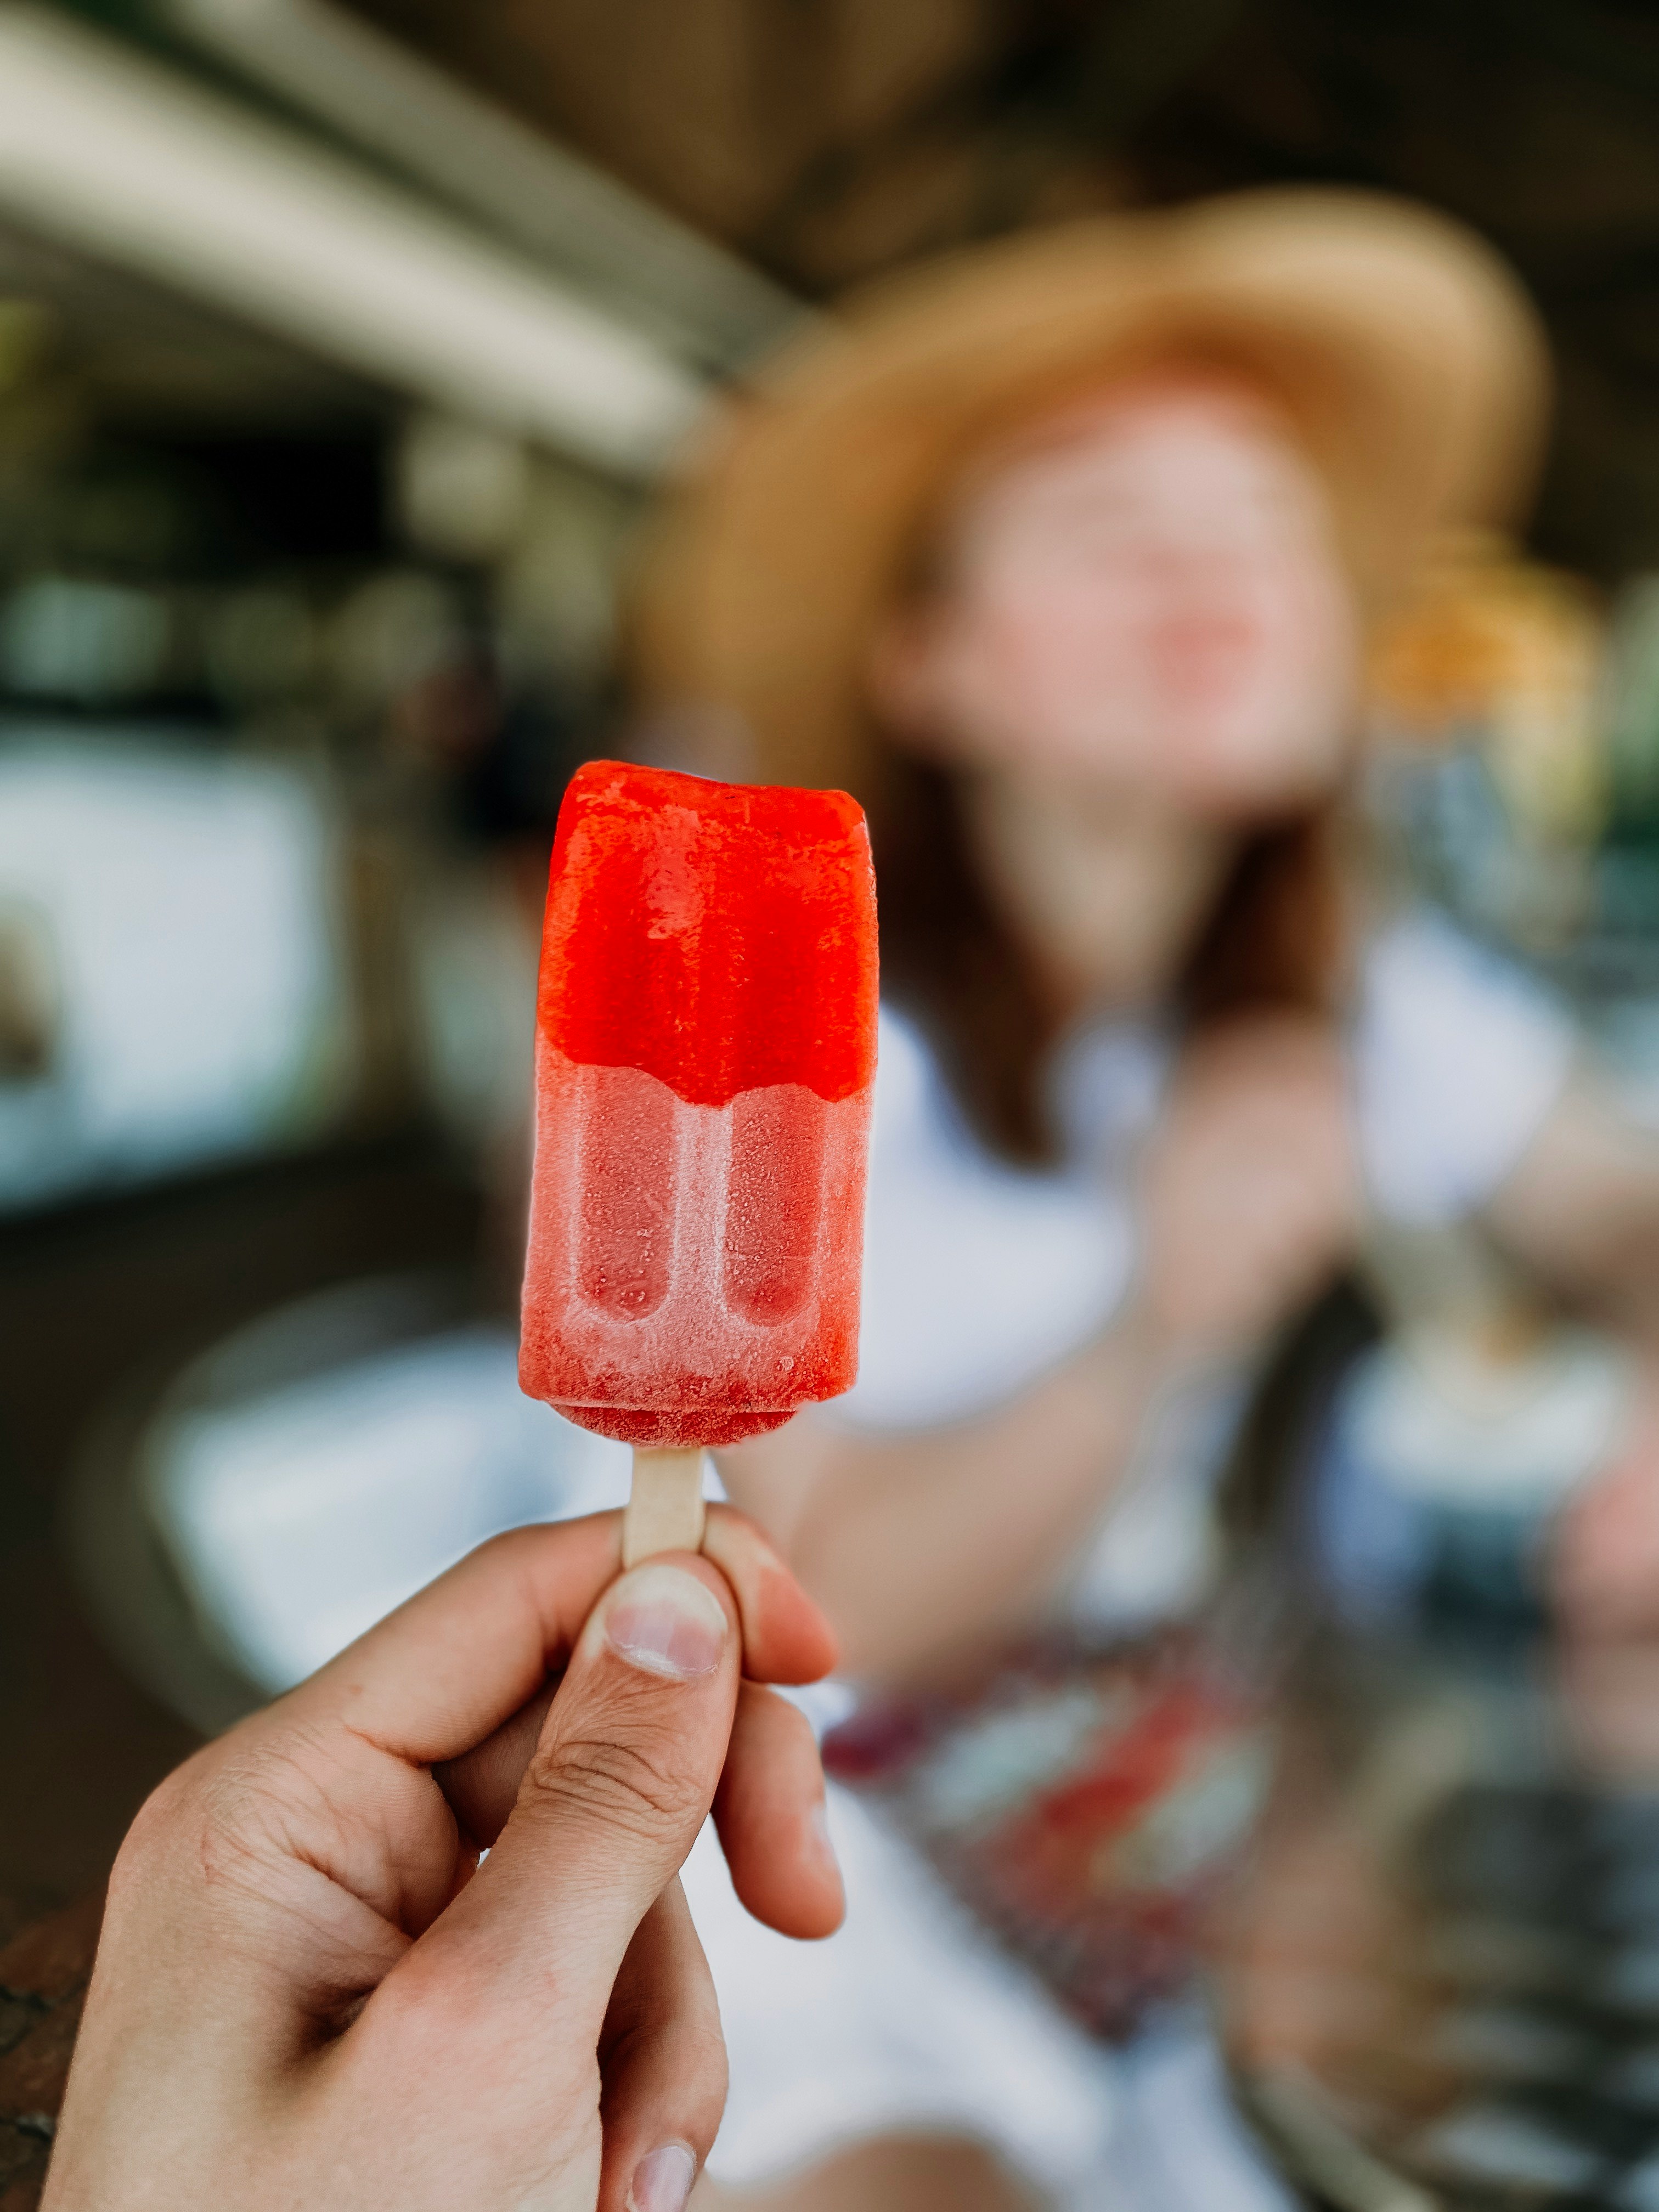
[[706, 1045]]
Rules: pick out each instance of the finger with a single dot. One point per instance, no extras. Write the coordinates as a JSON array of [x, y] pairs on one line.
[[662, 2061], [769, 1807], [786, 1639], [329, 1783], [771, 1813], [621, 1781], [482, 1785], [440, 1675]]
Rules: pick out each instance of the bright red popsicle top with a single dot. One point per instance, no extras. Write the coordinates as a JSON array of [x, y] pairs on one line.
[[717, 935], [705, 1066]]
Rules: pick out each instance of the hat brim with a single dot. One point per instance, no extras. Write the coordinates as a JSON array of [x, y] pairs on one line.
[[1409, 359]]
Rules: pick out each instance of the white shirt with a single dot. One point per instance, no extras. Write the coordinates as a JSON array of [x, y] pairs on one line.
[[979, 1275]]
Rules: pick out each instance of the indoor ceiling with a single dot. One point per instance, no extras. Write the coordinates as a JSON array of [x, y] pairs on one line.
[[829, 139]]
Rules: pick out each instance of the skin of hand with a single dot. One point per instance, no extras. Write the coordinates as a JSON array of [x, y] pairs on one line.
[[309, 1990], [1252, 1196]]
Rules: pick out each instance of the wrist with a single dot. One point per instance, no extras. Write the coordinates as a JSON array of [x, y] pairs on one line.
[[1141, 1348], [1146, 1360]]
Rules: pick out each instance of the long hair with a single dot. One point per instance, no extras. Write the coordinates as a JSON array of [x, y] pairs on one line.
[[1272, 941]]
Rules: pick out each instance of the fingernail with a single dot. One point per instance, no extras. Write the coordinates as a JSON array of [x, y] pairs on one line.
[[662, 2181], [663, 1620]]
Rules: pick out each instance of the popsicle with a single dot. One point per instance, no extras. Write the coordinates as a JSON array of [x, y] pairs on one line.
[[705, 1058]]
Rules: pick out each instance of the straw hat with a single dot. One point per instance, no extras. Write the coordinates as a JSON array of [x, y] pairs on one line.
[[1406, 355]]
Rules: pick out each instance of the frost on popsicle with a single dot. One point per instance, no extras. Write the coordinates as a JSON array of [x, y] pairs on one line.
[[705, 1057]]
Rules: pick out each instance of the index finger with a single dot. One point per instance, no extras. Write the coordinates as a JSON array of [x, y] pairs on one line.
[[458, 1658], [443, 1673]]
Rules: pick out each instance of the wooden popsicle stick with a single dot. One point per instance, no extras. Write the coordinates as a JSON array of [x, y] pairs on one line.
[[665, 1506]]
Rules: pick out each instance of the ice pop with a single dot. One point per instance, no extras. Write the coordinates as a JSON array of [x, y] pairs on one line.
[[705, 1053]]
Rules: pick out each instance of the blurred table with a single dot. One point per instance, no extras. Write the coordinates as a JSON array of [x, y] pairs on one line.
[[1442, 1985]]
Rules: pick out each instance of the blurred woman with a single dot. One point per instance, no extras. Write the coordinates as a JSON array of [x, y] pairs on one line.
[[1061, 555]]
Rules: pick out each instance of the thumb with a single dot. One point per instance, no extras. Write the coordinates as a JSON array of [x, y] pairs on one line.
[[619, 1784]]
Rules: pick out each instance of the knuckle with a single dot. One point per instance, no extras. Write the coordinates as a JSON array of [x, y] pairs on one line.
[[242, 1788], [219, 1816], [638, 1787], [156, 1835], [193, 1829]]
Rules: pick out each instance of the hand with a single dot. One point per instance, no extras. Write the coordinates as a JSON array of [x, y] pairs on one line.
[[309, 1992], [1252, 1195]]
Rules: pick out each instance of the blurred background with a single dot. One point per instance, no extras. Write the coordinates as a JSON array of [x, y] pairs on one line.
[[341, 350]]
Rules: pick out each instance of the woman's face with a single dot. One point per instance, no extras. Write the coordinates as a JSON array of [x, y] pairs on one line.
[[1146, 599]]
